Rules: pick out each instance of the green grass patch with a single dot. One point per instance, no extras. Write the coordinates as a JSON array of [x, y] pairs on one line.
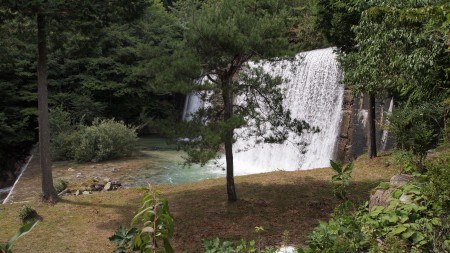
[[278, 201]]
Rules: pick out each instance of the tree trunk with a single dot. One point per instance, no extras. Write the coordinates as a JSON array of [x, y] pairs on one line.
[[371, 138], [48, 191], [228, 113]]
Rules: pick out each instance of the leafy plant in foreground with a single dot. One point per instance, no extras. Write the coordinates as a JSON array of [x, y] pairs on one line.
[[150, 227], [416, 220], [123, 238], [23, 230], [341, 180], [217, 246]]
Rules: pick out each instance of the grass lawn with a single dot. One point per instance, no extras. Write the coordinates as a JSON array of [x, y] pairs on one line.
[[278, 201]]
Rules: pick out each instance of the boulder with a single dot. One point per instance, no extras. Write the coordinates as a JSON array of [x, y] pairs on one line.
[[108, 187], [401, 179], [380, 197], [97, 187], [115, 185]]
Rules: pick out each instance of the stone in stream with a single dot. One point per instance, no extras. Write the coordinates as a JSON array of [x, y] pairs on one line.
[[77, 193], [86, 193], [70, 169]]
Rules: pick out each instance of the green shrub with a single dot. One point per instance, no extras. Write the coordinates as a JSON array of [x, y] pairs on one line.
[[27, 214], [403, 159], [61, 134], [60, 185], [438, 182], [416, 219], [416, 129], [105, 139]]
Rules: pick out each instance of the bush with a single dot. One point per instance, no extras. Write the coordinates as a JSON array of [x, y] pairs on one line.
[[27, 214], [61, 134], [417, 129], [403, 159], [341, 234], [414, 225], [438, 178], [60, 185], [105, 139], [416, 219]]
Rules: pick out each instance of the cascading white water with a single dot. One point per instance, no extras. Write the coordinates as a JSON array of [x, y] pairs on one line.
[[312, 93], [191, 105]]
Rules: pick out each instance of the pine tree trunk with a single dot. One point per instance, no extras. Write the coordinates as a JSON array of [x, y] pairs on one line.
[[48, 191], [228, 113], [371, 138]]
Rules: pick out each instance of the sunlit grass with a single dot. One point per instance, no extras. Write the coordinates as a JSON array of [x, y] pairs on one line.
[[278, 201]]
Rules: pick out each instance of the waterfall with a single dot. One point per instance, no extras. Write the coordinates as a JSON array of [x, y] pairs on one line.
[[191, 105], [385, 135], [313, 92]]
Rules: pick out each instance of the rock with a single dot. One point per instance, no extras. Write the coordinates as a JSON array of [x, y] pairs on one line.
[[86, 193], [406, 198], [115, 185], [77, 193], [97, 187], [70, 169], [399, 180], [380, 197], [286, 249], [93, 166], [106, 179], [113, 170], [107, 186]]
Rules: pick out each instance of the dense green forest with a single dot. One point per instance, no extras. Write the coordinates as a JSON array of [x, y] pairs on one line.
[[130, 70], [85, 78], [136, 62]]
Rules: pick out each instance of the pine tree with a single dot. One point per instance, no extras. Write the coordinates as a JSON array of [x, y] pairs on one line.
[[59, 15], [221, 38]]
